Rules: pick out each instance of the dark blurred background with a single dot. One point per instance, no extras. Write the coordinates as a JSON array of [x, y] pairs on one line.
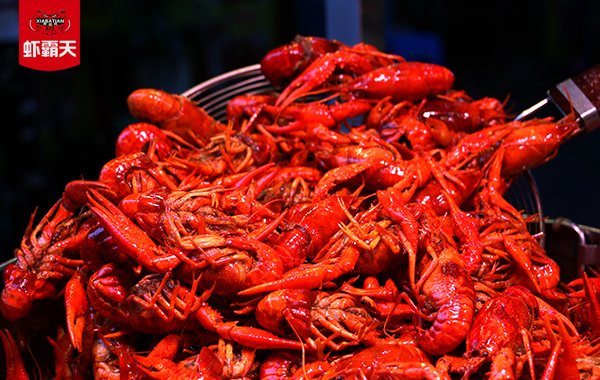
[[60, 126]]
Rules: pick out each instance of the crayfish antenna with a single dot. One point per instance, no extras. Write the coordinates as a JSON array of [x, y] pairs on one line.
[[371, 52]]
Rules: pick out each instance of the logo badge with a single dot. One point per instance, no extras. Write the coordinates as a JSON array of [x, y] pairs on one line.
[[49, 34]]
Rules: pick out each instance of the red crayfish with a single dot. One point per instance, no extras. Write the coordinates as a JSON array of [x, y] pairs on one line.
[[350, 224]]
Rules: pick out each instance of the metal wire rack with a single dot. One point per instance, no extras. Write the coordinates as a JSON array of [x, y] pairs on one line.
[[214, 94]]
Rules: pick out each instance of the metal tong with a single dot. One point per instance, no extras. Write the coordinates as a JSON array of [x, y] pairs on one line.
[[580, 94]]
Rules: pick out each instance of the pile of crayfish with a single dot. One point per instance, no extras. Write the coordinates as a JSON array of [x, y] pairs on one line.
[[351, 224]]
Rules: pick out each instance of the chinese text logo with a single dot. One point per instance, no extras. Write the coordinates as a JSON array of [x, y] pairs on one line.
[[49, 34]]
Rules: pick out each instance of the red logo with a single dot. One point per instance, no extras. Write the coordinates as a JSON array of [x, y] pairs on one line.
[[49, 21], [49, 34]]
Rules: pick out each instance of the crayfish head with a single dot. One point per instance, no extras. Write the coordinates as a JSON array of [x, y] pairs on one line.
[[15, 304], [22, 288], [284, 307]]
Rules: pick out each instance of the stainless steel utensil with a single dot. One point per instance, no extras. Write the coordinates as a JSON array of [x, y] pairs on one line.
[[214, 94], [580, 94]]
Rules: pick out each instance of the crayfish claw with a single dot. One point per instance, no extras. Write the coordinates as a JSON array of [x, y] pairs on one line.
[[15, 366]]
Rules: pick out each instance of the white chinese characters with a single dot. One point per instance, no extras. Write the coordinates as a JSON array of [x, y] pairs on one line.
[[49, 48]]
